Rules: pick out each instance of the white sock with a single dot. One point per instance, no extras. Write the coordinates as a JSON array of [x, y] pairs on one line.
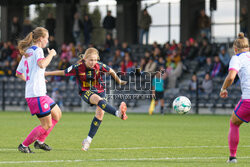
[[40, 142], [118, 113], [24, 145], [89, 139]]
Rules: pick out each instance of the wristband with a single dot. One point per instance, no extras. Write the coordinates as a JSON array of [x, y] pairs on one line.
[[222, 90]]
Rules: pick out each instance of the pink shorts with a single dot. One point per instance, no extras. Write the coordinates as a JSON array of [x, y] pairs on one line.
[[40, 106], [242, 110]]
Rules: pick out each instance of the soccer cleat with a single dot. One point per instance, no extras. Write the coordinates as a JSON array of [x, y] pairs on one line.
[[43, 146], [232, 160], [85, 145], [23, 149], [122, 111]]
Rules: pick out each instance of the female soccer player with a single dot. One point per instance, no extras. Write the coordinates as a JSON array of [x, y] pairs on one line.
[[239, 63], [31, 69], [88, 75]]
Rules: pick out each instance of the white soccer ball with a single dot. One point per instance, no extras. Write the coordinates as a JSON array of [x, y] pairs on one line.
[[181, 105]]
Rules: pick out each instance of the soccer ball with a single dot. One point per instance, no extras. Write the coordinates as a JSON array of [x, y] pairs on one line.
[[181, 105]]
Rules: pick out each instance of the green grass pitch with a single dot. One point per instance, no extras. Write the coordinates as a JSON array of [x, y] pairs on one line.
[[142, 140]]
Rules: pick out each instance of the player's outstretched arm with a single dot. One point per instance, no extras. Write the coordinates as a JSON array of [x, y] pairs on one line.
[[117, 79], [55, 73], [228, 81]]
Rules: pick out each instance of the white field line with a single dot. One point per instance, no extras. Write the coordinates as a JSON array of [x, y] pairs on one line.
[[142, 148], [122, 159]]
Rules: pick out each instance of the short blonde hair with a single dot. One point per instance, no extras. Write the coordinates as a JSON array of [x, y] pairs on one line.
[[88, 52], [241, 42]]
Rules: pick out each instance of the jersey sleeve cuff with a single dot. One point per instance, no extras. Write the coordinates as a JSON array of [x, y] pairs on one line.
[[233, 69], [18, 72], [39, 59]]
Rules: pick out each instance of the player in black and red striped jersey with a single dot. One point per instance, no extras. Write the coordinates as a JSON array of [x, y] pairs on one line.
[[88, 72]]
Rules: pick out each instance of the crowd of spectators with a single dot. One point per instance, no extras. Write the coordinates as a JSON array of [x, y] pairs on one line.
[[174, 57]]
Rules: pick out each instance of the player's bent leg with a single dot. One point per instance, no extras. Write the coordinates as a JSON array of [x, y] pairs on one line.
[[95, 124], [35, 133], [48, 123], [121, 113], [56, 115], [233, 137]]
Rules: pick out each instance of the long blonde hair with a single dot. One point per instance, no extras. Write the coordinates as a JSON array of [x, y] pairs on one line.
[[88, 52], [31, 38], [241, 43]]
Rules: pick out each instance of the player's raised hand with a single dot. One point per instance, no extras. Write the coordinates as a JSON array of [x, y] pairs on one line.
[[52, 52], [223, 93]]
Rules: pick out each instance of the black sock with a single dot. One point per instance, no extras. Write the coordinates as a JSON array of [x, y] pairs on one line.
[[94, 127], [106, 107], [162, 109]]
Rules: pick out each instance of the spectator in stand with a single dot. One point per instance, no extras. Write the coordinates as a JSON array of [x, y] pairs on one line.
[[63, 64], [7, 68], [244, 21], [193, 84], [117, 44], [147, 55], [87, 29], [27, 27], [166, 49], [151, 65], [207, 85], [127, 64], [144, 24], [224, 59], [156, 53], [125, 48], [13, 67], [143, 63], [173, 46], [5, 52], [77, 27], [174, 69], [15, 30], [79, 49], [209, 65], [52, 43], [50, 24], [71, 49], [204, 52], [63, 51], [15, 53], [216, 71], [190, 49], [117, 59], [109, 42], [161, 62], [204, 23], [109, 23]]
